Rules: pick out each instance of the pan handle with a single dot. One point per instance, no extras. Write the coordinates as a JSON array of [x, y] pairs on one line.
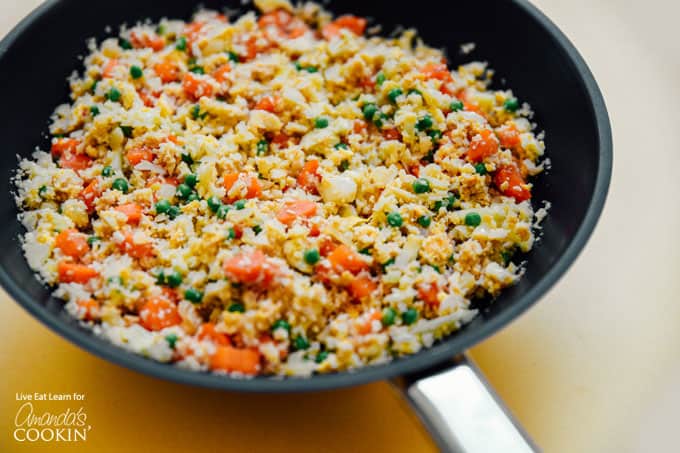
[[461, 411]]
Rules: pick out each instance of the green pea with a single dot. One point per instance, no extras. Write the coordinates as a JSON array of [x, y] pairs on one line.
[[214, 203], [456, 105], [414, 91], [506, 255], [480, 168], [281, 324], [321, 356], [92, 239], [369, 111], [160, 278], [193, 295], [162, 207], [394, 94], [435, 135], [240, 204], [42, 191], [311, 69], [312, 256], [107, 171], [262, 147], [174, 279], [388, 316], [171, 338], [193, 196], [160, 30], [93, 87], [222, 211], [190, 180], [236, 307], [233, 57], [473, 219], [344, 165], [120, 184], [113, 94], [424, 123], [197, 70], [127, 131], [181, 44], [124, 44], [300, 343], [257, 229], [394, 219], [511, 105], [380, 79], [409, 316], [136, 72], [94, 110], [183, 191], [366, 251], [321, 123], [341, 145], [231, 233], [421, 185], [424, 221], [174, 211]]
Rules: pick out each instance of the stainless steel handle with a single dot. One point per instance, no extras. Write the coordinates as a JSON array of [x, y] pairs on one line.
[[462, 412]]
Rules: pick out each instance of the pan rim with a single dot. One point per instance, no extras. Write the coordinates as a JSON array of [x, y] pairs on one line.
[[419, 361]]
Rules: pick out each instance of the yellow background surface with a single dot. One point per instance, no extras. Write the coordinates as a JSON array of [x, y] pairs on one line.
[[593, 367]]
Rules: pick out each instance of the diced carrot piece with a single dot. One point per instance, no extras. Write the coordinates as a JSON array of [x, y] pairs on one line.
[[482, 146], [62, 145], [280, 139], [391, 134], [470, 107], [72, 243], [90, 194], [508, 135], [356, 25], [231, 359], [170, 294], [510, 182], [167, 70], [75, 161], [362, 286], [437, 71], [154, 42], [75, 273], [196, 87], [157, 313], [134, 249], [308, 178], [109, 67], [220, 74], [139, 154], [207, 332], [133, 211], [89, 308], [326, 246], [367, 327], [428, 293], [359, 127], [253, 189], [250, 267], [284, 24], [192, 31], [293, 210], [268, 103], [344, 258]]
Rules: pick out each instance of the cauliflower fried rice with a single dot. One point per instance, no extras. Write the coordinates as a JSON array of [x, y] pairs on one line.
[[278, 194]]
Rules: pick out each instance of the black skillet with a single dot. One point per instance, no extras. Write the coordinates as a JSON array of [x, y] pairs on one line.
[[528, 53]]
